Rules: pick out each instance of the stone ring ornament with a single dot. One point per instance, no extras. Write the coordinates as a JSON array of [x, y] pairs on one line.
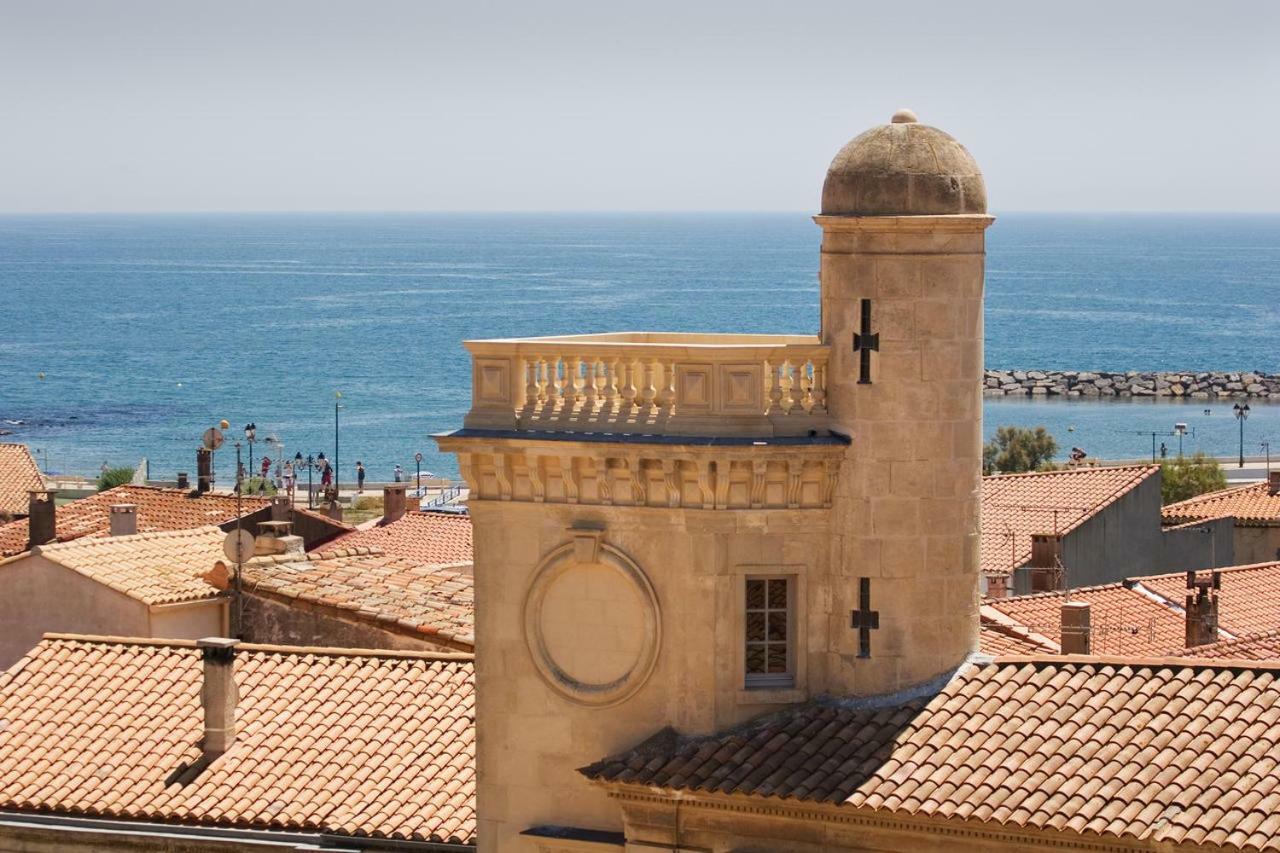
[[592, 622]]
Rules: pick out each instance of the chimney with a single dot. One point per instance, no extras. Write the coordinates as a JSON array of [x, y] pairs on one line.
[[218, 695], [183, 482], [281, 508], [276, 537], [1202, 609], [1273, 482], [42, 518], [393, 502], [204, 470], [124, 519], [1045, 565], [1076, 628]]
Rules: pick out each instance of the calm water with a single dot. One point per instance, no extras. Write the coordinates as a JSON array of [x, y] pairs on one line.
[[150, 328]]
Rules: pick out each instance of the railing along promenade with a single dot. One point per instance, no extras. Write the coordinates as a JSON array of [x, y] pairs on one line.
[[651, 383]]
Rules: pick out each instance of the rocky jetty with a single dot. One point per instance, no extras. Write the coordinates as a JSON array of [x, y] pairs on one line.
[[1083, 383]]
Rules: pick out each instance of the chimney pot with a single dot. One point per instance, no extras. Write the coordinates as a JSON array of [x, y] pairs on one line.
[[204, 470], [218, 694], [42, 517], [1201, 609], [183, 482], [394, 502], [1273, 482], [1076, 628], [124, 519]]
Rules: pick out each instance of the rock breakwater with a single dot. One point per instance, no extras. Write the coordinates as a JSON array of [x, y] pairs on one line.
[[1082, 383]]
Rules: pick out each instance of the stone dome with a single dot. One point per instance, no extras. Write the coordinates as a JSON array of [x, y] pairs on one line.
[[903, 168]]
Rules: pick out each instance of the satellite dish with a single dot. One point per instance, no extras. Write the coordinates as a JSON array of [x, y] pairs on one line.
[[238, 546], [212, 438]]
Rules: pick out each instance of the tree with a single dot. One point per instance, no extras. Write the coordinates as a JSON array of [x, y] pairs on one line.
[[1017, 449], [113, 477], [1187, 476]]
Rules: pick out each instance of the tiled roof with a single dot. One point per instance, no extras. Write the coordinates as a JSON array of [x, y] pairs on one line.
[[428, 537], [328, 740], [1014, 506], [19, 474], [158, 509], [396, 593], [1250, 505], [1255, 647], [1248, 601], [1000, 635], [1123, 621], [1167, 752], [154, 568]]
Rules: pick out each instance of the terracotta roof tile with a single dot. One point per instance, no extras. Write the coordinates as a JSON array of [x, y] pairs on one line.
[[19, 474], [1248, 602], [94, 726], [1124, 621], [1014, 506], [1254, 647], [154, 568], [1252, 505], [428, 537], [1001, 635], [158, 509], [1161, 751], [396, 593]]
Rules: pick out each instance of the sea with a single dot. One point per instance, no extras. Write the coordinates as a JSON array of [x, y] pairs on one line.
[[124, 337]]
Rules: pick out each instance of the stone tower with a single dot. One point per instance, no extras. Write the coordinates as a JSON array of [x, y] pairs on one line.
[[691, 530], [903, 221]]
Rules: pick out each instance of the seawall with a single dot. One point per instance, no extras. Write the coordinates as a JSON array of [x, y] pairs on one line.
[[1083, 383]]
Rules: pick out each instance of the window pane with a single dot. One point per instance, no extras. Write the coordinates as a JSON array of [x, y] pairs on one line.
[[755, 659], [755, 627], [777, 625], [777, 657], [755, 594], [778, 594]]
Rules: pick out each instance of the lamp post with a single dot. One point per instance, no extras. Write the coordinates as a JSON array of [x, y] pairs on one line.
[[1266, 448], [237, 610], [1180, 430], [1242, 413], [417, 461], [297, 472], [337, 404], [250, 433], [311, 489]]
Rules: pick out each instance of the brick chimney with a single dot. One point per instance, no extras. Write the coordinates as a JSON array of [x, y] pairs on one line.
[[42, 517], [281, 508], [204, 470], [218, 694], [1045, 565], [1076, 628], [394, 502], [124, 519], [1202, 609], [276, 537], [1273, 482]]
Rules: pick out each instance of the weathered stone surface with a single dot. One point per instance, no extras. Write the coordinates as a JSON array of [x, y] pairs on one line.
[[1132, 383]]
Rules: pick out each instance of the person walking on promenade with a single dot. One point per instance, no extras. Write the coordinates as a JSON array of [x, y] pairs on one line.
[[287, 476], [399, 474], [359, 476], [326, 476]]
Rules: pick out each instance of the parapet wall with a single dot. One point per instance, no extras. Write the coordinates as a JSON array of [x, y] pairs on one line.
[[1083, 383]]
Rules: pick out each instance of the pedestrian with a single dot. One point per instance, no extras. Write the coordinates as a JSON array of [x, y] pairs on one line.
[[288, 478], [266, 466], [326, 475], [1164, 451], [105, 468], [399, 474], [359, 476]]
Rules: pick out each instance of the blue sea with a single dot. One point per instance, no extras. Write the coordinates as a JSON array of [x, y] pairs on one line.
[[126, 336]]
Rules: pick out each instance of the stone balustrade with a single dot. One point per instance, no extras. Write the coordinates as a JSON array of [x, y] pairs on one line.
[[651, 383]]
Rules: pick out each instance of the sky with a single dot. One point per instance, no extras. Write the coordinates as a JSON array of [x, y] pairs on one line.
[[301, 105]]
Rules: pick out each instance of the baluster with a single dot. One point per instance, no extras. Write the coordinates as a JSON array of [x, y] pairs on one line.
[[798, 370], [774, 388], [574, 367], [666, 389], [540, 374], [629, 390], [612, 389], [650, 390], [567, 390], [529, 370], [590, 392], [553, 380], [819, 387]]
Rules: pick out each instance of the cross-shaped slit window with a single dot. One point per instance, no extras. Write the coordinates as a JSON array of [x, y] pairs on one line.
[[768, 624]]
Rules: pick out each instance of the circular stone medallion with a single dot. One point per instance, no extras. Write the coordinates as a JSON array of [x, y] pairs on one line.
[[592, 628]]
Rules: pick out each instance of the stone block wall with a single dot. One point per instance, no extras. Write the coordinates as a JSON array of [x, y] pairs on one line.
[[1083, 383]]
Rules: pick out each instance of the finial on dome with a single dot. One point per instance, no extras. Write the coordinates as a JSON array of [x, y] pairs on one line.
[[904, 116]]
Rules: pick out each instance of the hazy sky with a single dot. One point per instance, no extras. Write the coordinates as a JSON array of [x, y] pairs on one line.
[[599, 105]]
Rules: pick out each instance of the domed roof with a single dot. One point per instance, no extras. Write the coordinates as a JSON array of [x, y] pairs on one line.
[[903, 168]]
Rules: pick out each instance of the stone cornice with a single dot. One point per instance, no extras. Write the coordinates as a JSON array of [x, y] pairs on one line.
[[950, 223]]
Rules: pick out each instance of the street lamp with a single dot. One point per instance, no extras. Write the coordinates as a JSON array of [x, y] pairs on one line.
[[417, 460], [250, 433], [337, 404], [1180, 430], [1266, 448], [1242, 413]]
